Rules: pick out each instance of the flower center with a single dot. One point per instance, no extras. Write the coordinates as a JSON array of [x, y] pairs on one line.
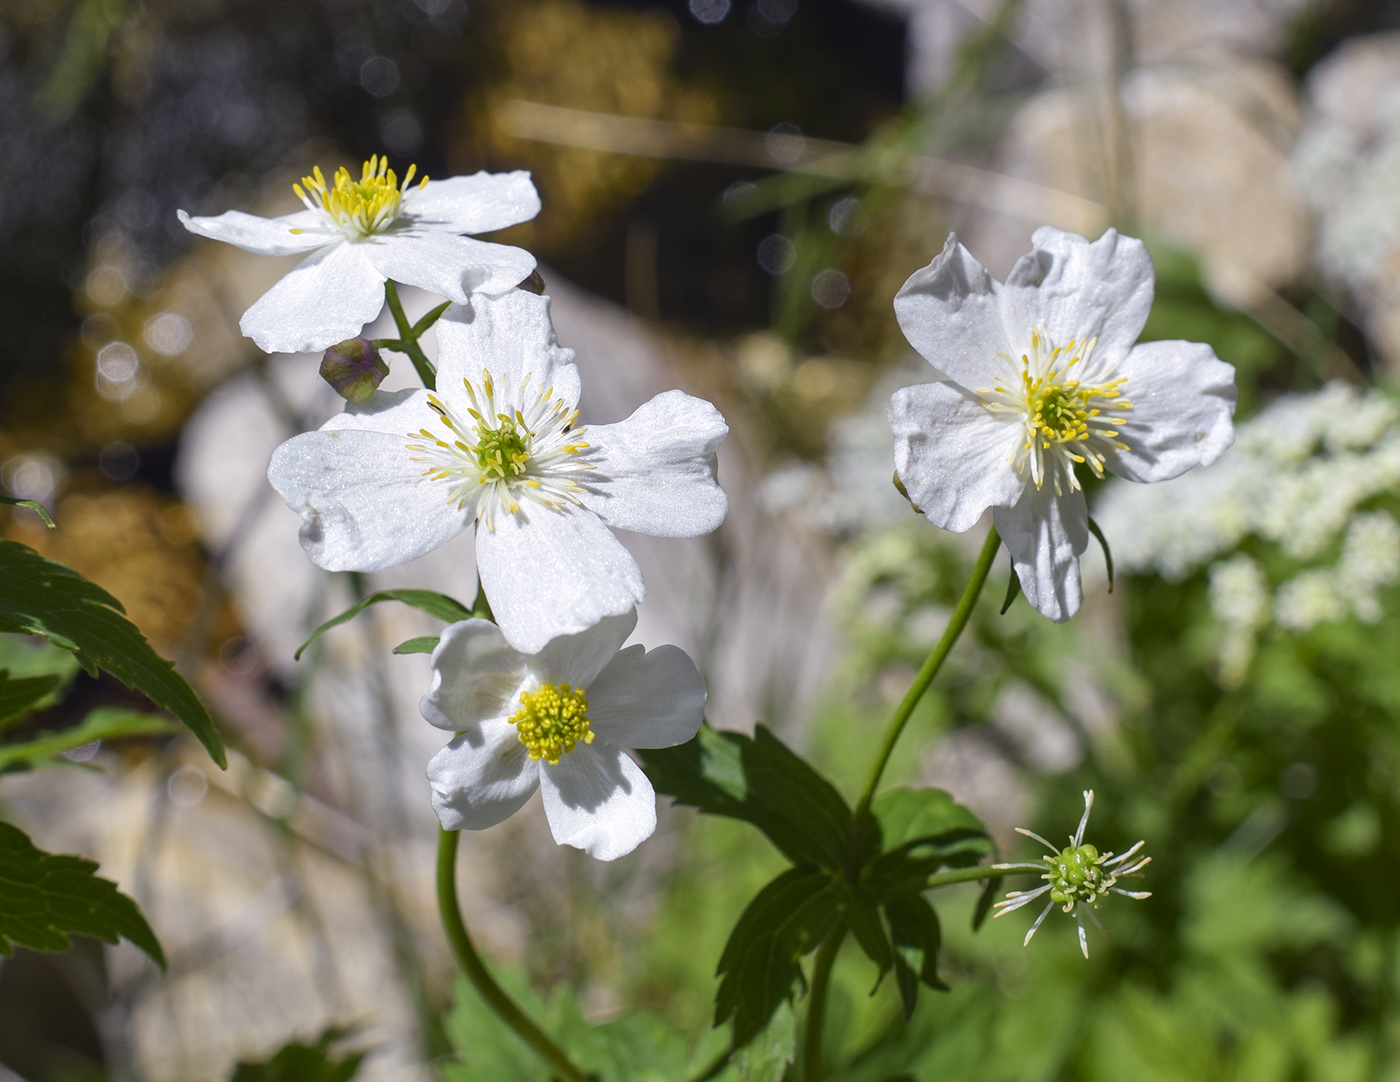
[[512, 444], [1063, 417], [357, 208], [552, 721], [1077, 875]]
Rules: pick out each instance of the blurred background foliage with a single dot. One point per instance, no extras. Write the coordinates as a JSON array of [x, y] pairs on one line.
[[754, 181]]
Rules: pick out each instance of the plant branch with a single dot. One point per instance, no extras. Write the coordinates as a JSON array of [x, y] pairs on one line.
[[961, 614], [476, 971], [816, 1003], [408, 335]]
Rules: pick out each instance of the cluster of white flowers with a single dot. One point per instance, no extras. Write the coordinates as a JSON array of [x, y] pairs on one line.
[[545, 696], [1298, 476]]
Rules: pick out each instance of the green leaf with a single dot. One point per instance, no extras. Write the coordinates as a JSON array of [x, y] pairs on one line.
[[104, 723], [33, 505], [786, 919], [297, 1062], [46, 898], [863, 916], [424, 644], [915, 816], [20, 697], [638, 1047], [767, 1057], [762, 782], [44, 597], [917, 936], [429, 601]]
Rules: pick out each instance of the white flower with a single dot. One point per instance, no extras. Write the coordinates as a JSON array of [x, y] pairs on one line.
[[1078, 878], [403, 472], [558, 719], [365, 231], [1041, 375]]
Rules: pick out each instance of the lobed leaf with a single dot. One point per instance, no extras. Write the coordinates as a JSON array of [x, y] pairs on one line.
[[917, 832], [917, 937], [45, 898], [761, 781], [43, 597], [20, 696], [296, 1062], [429, 601]]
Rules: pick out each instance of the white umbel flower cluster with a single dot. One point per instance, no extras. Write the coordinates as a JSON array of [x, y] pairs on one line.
[[1298, 478]]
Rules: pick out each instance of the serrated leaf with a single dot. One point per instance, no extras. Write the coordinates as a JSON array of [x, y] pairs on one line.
[[767, 1057], [45, 898], [104, 723], [296, 1062], [761, 781], [21, 696], [786, 919], [863, 917], [920, 831], [43, 597], [429, 601], [424, 644], [917, 937]]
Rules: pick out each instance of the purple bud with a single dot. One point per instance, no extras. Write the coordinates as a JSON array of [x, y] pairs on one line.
[[533, 284], [353, 368]]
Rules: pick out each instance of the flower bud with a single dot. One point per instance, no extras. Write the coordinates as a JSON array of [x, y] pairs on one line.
[[353, 368]]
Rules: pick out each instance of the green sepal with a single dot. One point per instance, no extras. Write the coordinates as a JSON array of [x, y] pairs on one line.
[[760, 780], [45, 898], [1013, 589], [43, 597], [423, 644], [429, 601]]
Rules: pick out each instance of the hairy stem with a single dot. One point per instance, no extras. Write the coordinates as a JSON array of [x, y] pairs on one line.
[[476, 971], [408, 336], [961, 614], [816, 1003]]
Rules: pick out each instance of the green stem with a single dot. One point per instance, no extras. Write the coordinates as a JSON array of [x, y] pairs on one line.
[[973, 874], [408, 337], [816, 1003], [476, 970], [961, 614]]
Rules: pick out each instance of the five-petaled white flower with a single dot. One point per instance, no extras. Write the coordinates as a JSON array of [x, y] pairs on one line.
[[558, 719], [497, 444], [365, 231], [1041, 375], [1077, 879]]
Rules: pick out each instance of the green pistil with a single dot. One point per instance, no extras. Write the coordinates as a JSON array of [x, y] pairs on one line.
[[1077, 875], [501, 452]]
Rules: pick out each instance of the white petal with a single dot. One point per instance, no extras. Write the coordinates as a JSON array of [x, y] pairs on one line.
[[552, 573], [1183, 400], [365, 504], [1045, 534], [325, 299], [655, 472], [479, 203], [511, 336], [482, 778], [953, 454], [951, 314], [1080, 291], [654, 699], [396, 413], [476, 676], [446, 264], [578, 659], [598, 800], [265, 236]]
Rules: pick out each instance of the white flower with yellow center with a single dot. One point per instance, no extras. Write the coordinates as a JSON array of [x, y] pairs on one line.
[[498, 446], [362, 232], [557, 720], [1041, 376]]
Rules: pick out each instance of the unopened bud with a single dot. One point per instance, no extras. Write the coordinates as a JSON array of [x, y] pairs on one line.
[[353, 368], [534, 283]]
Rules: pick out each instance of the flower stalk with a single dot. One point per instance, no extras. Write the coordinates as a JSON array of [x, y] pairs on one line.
[[961, 614], [409, 333], [475, 970]]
